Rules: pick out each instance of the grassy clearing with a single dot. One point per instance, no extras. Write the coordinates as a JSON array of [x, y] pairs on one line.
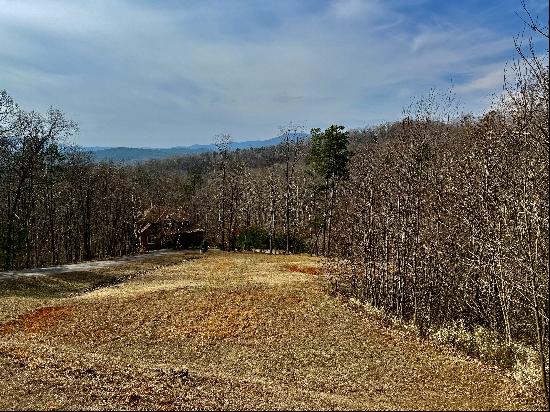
[[228, 331]]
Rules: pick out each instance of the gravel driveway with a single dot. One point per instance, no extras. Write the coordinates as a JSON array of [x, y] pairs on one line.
[[90, 265]]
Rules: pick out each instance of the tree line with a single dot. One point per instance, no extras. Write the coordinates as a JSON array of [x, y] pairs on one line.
[[444, 216]]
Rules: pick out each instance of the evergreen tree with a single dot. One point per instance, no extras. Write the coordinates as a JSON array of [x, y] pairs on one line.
[[329, 159]]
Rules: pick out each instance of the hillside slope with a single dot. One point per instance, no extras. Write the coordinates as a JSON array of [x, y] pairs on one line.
[[227, 331]]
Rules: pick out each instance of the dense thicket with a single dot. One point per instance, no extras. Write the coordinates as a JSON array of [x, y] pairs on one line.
[[445, 220]]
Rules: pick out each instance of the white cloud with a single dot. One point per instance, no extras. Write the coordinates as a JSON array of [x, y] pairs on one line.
[[486, 82], [52, 16]]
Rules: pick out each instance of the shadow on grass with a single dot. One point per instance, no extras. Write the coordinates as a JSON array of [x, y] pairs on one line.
[[58, 285]]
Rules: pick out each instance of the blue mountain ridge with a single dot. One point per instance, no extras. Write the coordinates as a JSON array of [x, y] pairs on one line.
[[137, 154]]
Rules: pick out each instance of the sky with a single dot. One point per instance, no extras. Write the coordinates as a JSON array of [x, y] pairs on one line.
[[174, 73]]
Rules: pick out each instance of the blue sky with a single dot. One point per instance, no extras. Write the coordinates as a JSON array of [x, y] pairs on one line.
[[175, 73]]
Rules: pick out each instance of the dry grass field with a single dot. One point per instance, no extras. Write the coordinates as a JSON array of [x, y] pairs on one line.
[[226, 331]]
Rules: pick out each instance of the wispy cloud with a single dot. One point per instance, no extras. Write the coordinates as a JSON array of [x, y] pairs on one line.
[[487, 82], [352, 8]]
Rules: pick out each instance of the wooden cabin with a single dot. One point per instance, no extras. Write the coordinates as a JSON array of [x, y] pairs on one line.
[[162, 227]]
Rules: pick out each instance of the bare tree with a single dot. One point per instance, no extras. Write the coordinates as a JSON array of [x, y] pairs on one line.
[[292, 138], [223, 142]]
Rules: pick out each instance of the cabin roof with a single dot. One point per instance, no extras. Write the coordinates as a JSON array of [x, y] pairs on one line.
[[157, 214]]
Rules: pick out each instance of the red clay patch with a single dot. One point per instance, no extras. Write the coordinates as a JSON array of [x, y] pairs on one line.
[[35, 321], [308, 270]]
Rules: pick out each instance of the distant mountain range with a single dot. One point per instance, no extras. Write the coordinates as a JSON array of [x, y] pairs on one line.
[[138, 154]]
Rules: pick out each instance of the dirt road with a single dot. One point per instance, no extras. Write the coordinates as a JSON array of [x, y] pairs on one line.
[[90, 265]]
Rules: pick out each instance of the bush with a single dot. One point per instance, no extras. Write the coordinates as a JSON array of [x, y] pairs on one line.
[[488, 346], [253, 237], [296, 243]]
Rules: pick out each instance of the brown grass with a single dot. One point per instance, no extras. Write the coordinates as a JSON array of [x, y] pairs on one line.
[[231, 314], [232, 331]]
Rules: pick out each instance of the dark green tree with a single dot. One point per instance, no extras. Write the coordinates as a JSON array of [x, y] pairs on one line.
[[329, 159]]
